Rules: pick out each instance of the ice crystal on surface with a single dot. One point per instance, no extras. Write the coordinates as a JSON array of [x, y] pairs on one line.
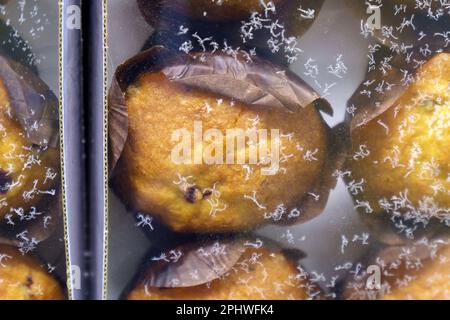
[[26, 244], [145, 221]]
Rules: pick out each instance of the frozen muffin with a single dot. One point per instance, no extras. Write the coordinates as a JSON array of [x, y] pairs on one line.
[[256, 274], [203, 162], [24, 278], [270, 29], [28, 168]]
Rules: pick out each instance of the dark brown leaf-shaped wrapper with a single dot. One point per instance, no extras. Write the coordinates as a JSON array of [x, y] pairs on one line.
[[36, 109], [256, 83], [202, 262], [389, 258], [202, 258], [33, 104], [370, 107]]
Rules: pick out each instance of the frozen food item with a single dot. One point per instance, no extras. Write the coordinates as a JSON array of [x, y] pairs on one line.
[[224, 270], [29, 158], [417, 272], [269, 28], [22, 277], [217, 144], [332, 56], [399, 161], [34, 227]]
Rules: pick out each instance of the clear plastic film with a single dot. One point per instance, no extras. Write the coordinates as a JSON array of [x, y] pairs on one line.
[[277, 149]]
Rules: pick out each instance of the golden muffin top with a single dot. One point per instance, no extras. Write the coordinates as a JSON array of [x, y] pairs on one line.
[[401, 157], [209, 190], [24, 278]]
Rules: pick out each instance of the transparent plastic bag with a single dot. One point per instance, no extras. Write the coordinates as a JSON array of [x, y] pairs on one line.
[[324, 77]]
